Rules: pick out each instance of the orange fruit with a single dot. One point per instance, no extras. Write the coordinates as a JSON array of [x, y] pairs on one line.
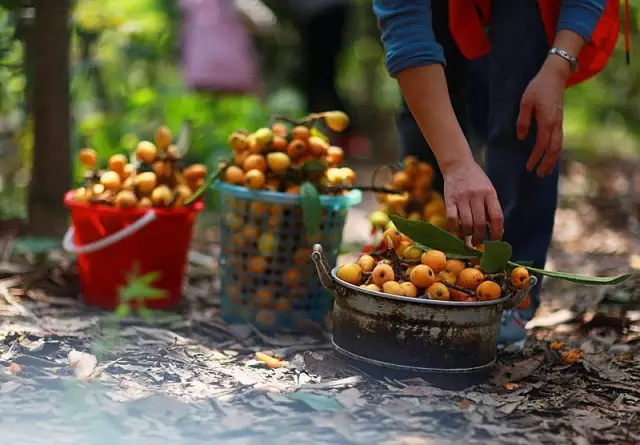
[[435, 259], [470, 278], [422, 276], [488, 290]]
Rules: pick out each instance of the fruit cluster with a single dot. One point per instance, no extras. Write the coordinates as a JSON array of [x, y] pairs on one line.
[[285, 155], [404, 269], [153, 179], [417, 201]]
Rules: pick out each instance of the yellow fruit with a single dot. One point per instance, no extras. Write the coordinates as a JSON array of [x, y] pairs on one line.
[[317, 146], [254, 147], [378, 218], [371, 287], [97, 189], [519, 277], [280, 129], [401, 180], [258, 265], [415, 216], [161, 196], [412, 253], [351, 273], [301, 133], [263, 136], [234, 175], [164, 138], [334, 156], [195, 172], [146, 152], [470, 278], [145, 182], [267, 244], [111, 181], [81, 195], [393, 288], [435, 259], [381, 274], [254, 179], [145, 203], [438, 291], [278, 162], [488, 290], [349, 175], [422, 276], [439, 221], [335, 176], [125, 199], [394, 234], [337, 121], [455, 267], [88, 157], [238, 141], [434, 208], [446, 277], [402, 246], [117, 163], [366, 263], [409, 289], [128, 171]]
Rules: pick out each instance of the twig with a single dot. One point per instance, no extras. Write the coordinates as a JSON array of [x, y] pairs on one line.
[[361, 188], [306, 121], [459, 288]]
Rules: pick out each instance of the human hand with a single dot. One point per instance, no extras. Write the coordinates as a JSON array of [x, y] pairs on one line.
[[471, 201], [544, 99]]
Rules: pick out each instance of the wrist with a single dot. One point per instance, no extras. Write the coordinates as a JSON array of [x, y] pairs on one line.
[[455, 159], [558, 66]]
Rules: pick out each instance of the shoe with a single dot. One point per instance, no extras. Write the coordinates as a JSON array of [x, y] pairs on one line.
[[512, 330]]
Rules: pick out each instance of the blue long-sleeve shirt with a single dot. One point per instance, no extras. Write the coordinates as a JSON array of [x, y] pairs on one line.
[[409, 41]]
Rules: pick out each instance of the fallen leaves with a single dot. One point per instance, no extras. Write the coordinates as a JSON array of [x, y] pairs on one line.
[[557, 345], [510, 386], [82, 363], [572, 356], [271, 362]]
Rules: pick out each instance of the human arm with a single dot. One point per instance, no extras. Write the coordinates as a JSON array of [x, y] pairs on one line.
[[416, 60], [544, 97]]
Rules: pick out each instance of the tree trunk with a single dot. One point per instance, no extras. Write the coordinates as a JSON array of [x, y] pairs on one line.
[[51, 171]]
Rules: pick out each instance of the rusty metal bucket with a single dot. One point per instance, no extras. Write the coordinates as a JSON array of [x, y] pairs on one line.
[[448, 343]]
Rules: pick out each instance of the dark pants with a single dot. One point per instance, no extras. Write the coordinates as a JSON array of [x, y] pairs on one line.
[[518, 49]]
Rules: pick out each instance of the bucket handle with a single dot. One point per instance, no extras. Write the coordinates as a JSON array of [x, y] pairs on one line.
[[324, 271], [69, 246], [519, 296]]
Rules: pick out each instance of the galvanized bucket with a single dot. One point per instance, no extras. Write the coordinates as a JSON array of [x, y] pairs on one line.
[[442, 341]]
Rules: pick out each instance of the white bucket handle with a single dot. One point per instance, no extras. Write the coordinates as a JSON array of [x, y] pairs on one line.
[[69, 246]]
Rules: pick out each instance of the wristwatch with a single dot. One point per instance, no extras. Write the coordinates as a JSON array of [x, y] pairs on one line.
[[566, 56]]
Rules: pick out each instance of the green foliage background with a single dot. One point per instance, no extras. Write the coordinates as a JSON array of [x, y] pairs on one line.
[[126, 81]]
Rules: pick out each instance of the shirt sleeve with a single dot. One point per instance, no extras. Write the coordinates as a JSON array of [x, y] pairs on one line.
[[580, 16], [407, 34]]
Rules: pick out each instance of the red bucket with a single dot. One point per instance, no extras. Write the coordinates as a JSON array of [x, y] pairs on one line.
[[108, 242]]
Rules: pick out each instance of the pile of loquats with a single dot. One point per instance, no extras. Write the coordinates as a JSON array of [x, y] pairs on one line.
[[153, 179], [281, 157], [402, 268], [418, 201]]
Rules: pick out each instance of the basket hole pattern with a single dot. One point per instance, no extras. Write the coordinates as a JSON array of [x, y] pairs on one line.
[[268, 277]]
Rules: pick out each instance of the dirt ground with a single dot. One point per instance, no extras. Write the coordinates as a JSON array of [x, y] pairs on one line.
[[67, 377]]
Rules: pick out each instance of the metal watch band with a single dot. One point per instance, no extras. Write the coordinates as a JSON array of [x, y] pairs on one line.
[[566, 56]]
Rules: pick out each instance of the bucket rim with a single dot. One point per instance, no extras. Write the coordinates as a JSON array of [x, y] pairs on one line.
[[413, 300], [195, 207], [351, 199]]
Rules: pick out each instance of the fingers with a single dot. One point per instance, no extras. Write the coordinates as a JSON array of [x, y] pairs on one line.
[[466, 217], [479, 219], [524, 118], [552, 155], [544, 127], [452, 215], [496, 218]]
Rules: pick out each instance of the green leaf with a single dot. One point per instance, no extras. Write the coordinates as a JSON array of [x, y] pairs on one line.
[[496, 256], [122, 310], [317, 133], [315, 401], [433, 237], [315, 166], [580, 279], [311, 207]]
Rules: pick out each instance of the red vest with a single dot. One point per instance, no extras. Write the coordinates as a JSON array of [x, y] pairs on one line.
[[467, 19]]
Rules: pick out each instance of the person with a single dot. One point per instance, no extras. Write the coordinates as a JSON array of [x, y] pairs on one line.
[[533, 50]]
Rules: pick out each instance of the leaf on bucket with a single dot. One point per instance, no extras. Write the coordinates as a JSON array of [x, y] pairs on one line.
[[433, 237], [496, 256], [315, 401], [575, 278], [311, 207]]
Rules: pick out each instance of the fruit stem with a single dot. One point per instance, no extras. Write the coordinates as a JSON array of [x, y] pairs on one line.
[[459, 288], [306, 121]]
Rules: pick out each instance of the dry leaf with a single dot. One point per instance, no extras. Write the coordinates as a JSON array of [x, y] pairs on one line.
[[268, 360], [572, 356], [83, 364], [465, 404], [625, 357], [14, 368], [510, 386], [557, 345]]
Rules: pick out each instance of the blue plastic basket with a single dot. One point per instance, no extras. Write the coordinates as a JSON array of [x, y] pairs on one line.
[[267, 277]]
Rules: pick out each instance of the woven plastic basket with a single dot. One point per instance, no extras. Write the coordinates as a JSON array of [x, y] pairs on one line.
[[267, 277]]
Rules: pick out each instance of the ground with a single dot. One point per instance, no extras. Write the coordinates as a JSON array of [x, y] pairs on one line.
[[189, 377]]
